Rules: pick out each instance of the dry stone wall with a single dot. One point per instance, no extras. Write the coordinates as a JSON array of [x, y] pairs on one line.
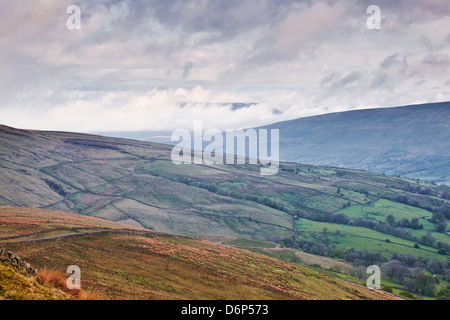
[[17, 262]]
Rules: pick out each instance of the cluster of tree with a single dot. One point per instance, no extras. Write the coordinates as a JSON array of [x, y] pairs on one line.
[[391, 227], [363, 257], [445, 195], [405, 269], [313, 247], [441, 222], [432, 265], [404, 222], [443, 210], [355, 256], [398, 230], [443, 247], [420, 190], [409, 271], [427, 191], [339, 218]]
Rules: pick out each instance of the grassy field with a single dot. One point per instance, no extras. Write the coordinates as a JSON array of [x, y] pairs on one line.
[[17, 286], [137, 265], [380, 209]]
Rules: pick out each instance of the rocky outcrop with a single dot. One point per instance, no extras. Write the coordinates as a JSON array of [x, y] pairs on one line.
[[17, 262]]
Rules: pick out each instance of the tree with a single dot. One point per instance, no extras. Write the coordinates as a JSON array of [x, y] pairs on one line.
[[435, 266], [370, 258], [390, 220], [410, 284], [395, 270], [351, 256], [415, 224], [426, 285], [359, 273], [402, 199], [338, 254], [340, 218], [428, 240], [404, 222], [443, 293], [446, 195], [335, 268], [416, 272], [437, 217], [446, 274], [444, 247], [441, 227], [410, 260]]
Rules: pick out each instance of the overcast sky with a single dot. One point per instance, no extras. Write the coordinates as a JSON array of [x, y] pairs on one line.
[[163, 64]]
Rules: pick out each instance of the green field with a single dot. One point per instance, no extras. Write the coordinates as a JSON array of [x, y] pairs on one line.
[[346, 237], [380, 209]]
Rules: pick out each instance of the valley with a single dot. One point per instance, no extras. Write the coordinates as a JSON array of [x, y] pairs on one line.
[[357, 217]]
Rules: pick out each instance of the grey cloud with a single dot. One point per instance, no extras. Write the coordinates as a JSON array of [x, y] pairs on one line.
[[348, 79], [329, 78], [437, 59], [379, 80], [229, 18], [130, 47], [420, 82], [303, 27], [389, 61], [334, 81], [395, 60], [392, 70], [427, 43], [406, 11], [220, 19], [187, 68]]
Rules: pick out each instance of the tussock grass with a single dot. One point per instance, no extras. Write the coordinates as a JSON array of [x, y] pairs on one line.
[[56, 279], [118, 266]]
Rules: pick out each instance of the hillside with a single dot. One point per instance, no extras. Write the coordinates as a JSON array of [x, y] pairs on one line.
[[410, 141], [356, 216], [17, 286], [135, 264]]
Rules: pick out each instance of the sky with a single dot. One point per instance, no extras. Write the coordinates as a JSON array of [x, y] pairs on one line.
[[159, 65]]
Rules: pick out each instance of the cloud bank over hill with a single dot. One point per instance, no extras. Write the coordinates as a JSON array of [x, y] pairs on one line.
[[160, 65]]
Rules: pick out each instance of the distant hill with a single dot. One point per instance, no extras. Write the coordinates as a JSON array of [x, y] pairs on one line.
[[410, 141]]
